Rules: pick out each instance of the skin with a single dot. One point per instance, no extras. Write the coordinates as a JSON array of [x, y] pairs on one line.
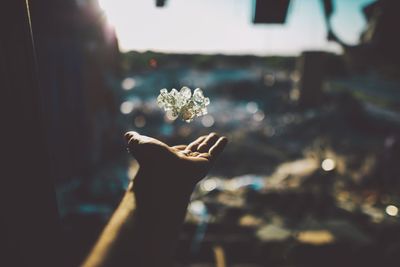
[[144, 229]]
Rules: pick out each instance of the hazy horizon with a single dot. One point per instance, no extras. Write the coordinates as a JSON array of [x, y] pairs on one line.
[[225, 27]]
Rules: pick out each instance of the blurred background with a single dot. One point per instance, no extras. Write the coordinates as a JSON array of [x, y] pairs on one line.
[[307, 91]]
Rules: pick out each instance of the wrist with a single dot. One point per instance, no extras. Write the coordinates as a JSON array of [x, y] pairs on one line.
[[163, 185]]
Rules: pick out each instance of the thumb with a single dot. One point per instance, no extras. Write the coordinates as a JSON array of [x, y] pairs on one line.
[[142, 147], [133, 140]]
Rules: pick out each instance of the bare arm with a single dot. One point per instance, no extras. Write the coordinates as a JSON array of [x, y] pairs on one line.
[[144, 229]]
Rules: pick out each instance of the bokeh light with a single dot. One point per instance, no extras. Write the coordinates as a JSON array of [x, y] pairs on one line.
[[259, 116], [328, 164], [209, 185], [392, 210], [140, 121], [252, 107], [207, 120], [126, 107], [128, 83]]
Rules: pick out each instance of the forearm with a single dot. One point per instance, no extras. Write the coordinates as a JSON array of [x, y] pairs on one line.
[[115, 242], [159, 214], [144, 229]]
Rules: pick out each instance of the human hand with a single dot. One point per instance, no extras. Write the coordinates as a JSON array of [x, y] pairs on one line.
[[144, 229], [175, 166]]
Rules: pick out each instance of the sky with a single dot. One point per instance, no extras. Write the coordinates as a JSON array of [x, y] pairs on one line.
[[224, 26]]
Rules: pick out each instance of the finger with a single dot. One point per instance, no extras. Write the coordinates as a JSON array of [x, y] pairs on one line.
[[132, 138], [218, 147], [193, 145], [180, 147], [208, 142], [129, 135]]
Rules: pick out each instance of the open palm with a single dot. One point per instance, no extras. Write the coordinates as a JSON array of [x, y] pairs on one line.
[[192, 161]]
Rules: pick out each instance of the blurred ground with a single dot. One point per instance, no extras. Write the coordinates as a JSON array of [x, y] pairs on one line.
[[295, 187]]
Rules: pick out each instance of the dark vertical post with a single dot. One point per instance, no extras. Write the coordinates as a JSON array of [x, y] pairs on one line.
[[311, 66], [28, 215]]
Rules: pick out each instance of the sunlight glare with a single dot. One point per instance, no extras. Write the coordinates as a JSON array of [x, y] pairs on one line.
[[194, 27], [111, 10]]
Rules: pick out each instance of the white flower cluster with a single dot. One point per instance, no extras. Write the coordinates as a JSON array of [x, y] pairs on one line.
[[183, 104]]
